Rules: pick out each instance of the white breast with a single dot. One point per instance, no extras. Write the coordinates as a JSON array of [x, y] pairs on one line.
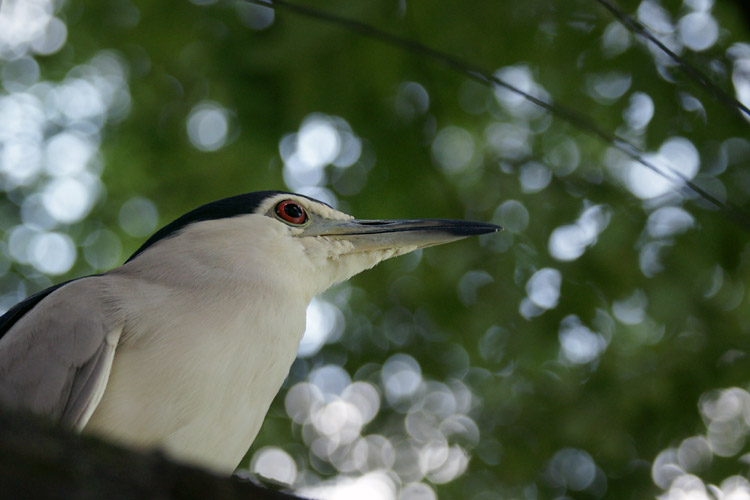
[[199, 382]]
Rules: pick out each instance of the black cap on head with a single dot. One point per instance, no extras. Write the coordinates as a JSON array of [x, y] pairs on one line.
[[220, 209]]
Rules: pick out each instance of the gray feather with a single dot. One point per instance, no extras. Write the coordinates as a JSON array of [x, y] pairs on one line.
[[56, 358]]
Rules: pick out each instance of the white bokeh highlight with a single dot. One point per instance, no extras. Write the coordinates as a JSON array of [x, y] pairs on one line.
[[677, 470], [578, 343], [324, 323], [322, 143], [274, 463], [676, 161], [543, 292], [50, 134], [570, 241], [208, 126]]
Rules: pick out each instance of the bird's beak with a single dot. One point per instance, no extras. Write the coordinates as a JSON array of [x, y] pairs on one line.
[[369, 235]]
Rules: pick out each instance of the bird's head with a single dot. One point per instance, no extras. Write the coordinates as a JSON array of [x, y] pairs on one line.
[[307, 241]]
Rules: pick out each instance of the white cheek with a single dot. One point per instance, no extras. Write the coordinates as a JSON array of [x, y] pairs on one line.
[[335, 260], [320, 250]]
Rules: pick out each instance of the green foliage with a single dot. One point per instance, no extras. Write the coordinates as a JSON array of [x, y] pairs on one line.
[[667, 306]]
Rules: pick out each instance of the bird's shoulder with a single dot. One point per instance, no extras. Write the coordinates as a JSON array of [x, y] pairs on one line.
[[78, 293], [16, 312]]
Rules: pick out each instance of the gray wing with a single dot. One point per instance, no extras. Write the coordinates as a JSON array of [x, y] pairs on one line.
[[57, 352]]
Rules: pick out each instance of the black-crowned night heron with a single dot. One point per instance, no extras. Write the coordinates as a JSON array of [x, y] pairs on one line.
[[185, 345]]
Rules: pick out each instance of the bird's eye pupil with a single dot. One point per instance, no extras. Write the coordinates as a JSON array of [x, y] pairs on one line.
[[292, 212]]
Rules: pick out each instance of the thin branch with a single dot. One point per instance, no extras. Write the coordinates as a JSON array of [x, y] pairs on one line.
[[690, 70], [486, 77]]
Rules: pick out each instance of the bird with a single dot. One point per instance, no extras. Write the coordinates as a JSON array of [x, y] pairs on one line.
[[184, 346]]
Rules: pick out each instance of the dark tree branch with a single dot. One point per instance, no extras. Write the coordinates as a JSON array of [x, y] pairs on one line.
[[40, 461]]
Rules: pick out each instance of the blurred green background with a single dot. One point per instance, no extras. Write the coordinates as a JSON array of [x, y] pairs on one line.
[[595, 348]]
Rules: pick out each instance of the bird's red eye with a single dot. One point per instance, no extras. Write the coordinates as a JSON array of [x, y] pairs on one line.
[[292, 212]]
